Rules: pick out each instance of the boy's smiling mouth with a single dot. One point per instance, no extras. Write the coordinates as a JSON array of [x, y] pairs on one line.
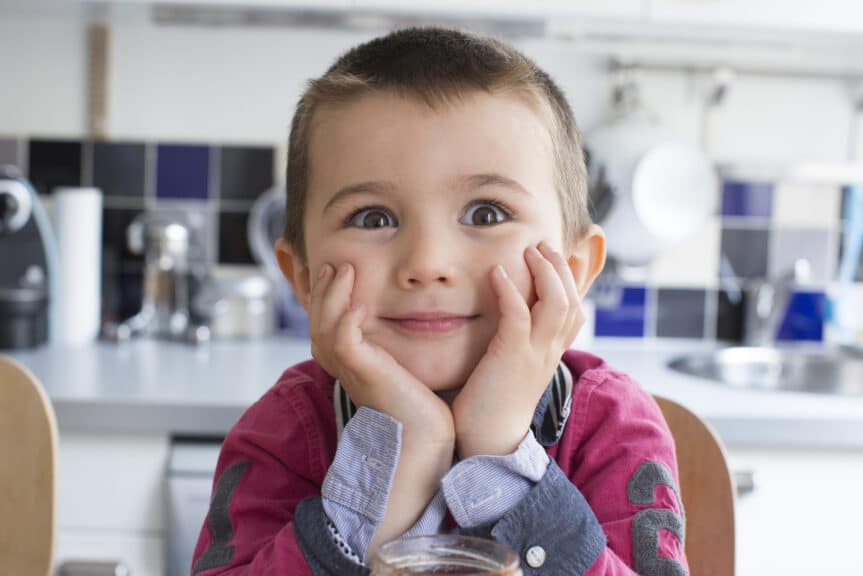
[[429, 322]]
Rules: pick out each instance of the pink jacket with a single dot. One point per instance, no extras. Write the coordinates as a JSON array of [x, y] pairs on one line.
[[616, 452]]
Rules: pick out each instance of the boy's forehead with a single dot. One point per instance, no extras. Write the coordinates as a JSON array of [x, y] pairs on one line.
[[358, 132]]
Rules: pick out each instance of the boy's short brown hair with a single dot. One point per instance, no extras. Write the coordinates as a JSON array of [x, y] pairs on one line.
[[438, 66]]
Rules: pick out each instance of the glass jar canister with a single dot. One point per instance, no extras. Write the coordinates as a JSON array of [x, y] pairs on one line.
[[445, 554]]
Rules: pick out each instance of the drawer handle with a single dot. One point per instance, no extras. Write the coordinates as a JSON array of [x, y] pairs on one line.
[[93, 568], [744, 481]]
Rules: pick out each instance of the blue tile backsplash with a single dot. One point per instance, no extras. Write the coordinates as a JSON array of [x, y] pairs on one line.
[[753, 199], [626, 319], [119, 168], [182, 172], [745, 252], [803, 321], [217, 184], [54, 163]]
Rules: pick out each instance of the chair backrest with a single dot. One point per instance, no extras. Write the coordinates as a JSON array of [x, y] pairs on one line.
[[707, 490], [28, 448]]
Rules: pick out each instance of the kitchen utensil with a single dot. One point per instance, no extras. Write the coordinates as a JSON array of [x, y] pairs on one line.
[[266, 222], [163, 238], [237, 304], [653, 189]]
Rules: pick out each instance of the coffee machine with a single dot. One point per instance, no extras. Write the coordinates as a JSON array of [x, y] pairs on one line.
[[27, 264], [170, 277]]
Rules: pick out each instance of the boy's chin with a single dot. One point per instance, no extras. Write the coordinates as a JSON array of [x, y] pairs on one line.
[[440, 376]]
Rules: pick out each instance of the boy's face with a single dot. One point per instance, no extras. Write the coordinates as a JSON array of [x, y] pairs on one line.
[[424, 203]]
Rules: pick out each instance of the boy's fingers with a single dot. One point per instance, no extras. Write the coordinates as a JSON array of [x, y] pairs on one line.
[[514, 313], [337, 298], [360, 358], [349, 337], [549, 313], [325, 276], [575, 314]]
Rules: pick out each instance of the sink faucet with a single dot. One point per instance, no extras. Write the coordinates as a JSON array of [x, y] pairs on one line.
[[767, 304]]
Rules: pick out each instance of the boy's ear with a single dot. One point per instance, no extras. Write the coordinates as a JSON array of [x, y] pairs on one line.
[[587, 258], [295, 270]]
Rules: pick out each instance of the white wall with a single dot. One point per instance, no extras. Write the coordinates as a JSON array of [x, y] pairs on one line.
[[44, 76], [238, 85]]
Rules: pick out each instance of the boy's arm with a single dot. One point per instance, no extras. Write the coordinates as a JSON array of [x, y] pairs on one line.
[[619, 511], [375, 380], [270, 470], [361, 484]]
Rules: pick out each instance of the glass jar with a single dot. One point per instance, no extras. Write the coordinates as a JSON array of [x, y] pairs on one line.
[[446, 554]]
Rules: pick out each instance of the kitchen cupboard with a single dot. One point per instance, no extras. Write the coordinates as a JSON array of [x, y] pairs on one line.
[[779, 15], [617, 9], [111, 500], [802, 517]]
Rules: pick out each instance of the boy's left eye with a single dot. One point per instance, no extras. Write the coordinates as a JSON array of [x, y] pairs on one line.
[[485, 214]]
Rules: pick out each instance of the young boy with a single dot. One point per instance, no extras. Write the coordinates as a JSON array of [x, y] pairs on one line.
[[438, 237]]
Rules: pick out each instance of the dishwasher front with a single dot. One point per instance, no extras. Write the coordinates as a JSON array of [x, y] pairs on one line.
[[191, 466]]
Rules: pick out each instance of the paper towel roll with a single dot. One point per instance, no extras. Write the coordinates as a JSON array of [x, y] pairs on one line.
[[78, 232]]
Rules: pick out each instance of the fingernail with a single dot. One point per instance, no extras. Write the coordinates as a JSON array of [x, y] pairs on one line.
[[546, 247], [343, 269], [532, 250], [323, 272], [498, 269]]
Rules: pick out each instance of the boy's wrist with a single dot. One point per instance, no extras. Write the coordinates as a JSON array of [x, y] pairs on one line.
[[499, 442]]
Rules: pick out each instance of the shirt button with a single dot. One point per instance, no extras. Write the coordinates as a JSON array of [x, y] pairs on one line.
[[535, 556]]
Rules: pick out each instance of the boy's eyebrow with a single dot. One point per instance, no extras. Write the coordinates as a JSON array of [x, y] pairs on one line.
[[469, 181], [370, 187], [492, 179]]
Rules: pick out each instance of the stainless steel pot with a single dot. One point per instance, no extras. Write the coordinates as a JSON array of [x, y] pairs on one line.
[[237, 304]]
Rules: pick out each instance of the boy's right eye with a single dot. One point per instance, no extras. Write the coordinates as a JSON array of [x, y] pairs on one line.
[[372, 218]]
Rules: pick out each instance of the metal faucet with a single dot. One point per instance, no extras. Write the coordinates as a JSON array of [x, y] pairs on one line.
[[767, 303]]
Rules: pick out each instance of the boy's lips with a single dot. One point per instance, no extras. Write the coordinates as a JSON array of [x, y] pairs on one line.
[[429, 322]]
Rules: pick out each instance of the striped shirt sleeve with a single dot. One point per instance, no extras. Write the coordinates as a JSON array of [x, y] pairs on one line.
[[358, 483]]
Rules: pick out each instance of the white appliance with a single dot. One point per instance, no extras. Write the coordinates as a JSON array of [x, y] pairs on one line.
[[191, 467]]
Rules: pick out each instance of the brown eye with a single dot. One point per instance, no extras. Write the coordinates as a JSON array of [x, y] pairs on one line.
[[371, 218], [485, 214]]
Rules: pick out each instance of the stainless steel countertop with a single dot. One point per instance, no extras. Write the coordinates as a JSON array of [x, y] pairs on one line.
[[158, 387]]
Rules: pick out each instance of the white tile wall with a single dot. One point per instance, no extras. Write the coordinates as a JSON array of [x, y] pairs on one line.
[[240, 85], [817, 246], [43, 77], [782, 121], [692, 262], [806, 205]]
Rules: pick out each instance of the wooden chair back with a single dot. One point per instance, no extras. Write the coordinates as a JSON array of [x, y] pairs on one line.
[[707, 490], [28, 449]]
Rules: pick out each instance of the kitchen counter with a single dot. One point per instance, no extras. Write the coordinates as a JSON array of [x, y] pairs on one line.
[[172, 388]]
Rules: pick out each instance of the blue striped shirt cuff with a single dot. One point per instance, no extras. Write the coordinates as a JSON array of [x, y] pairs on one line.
[[358, 483], [481, 489]]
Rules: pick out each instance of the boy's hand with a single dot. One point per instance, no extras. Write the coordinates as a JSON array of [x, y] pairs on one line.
[[494, 410], [373, 378], [368, 373]]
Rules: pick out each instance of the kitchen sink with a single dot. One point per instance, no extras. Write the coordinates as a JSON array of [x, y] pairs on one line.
[[757, 368]]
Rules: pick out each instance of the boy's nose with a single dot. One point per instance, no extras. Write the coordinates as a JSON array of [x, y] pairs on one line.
[[426, 261]]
